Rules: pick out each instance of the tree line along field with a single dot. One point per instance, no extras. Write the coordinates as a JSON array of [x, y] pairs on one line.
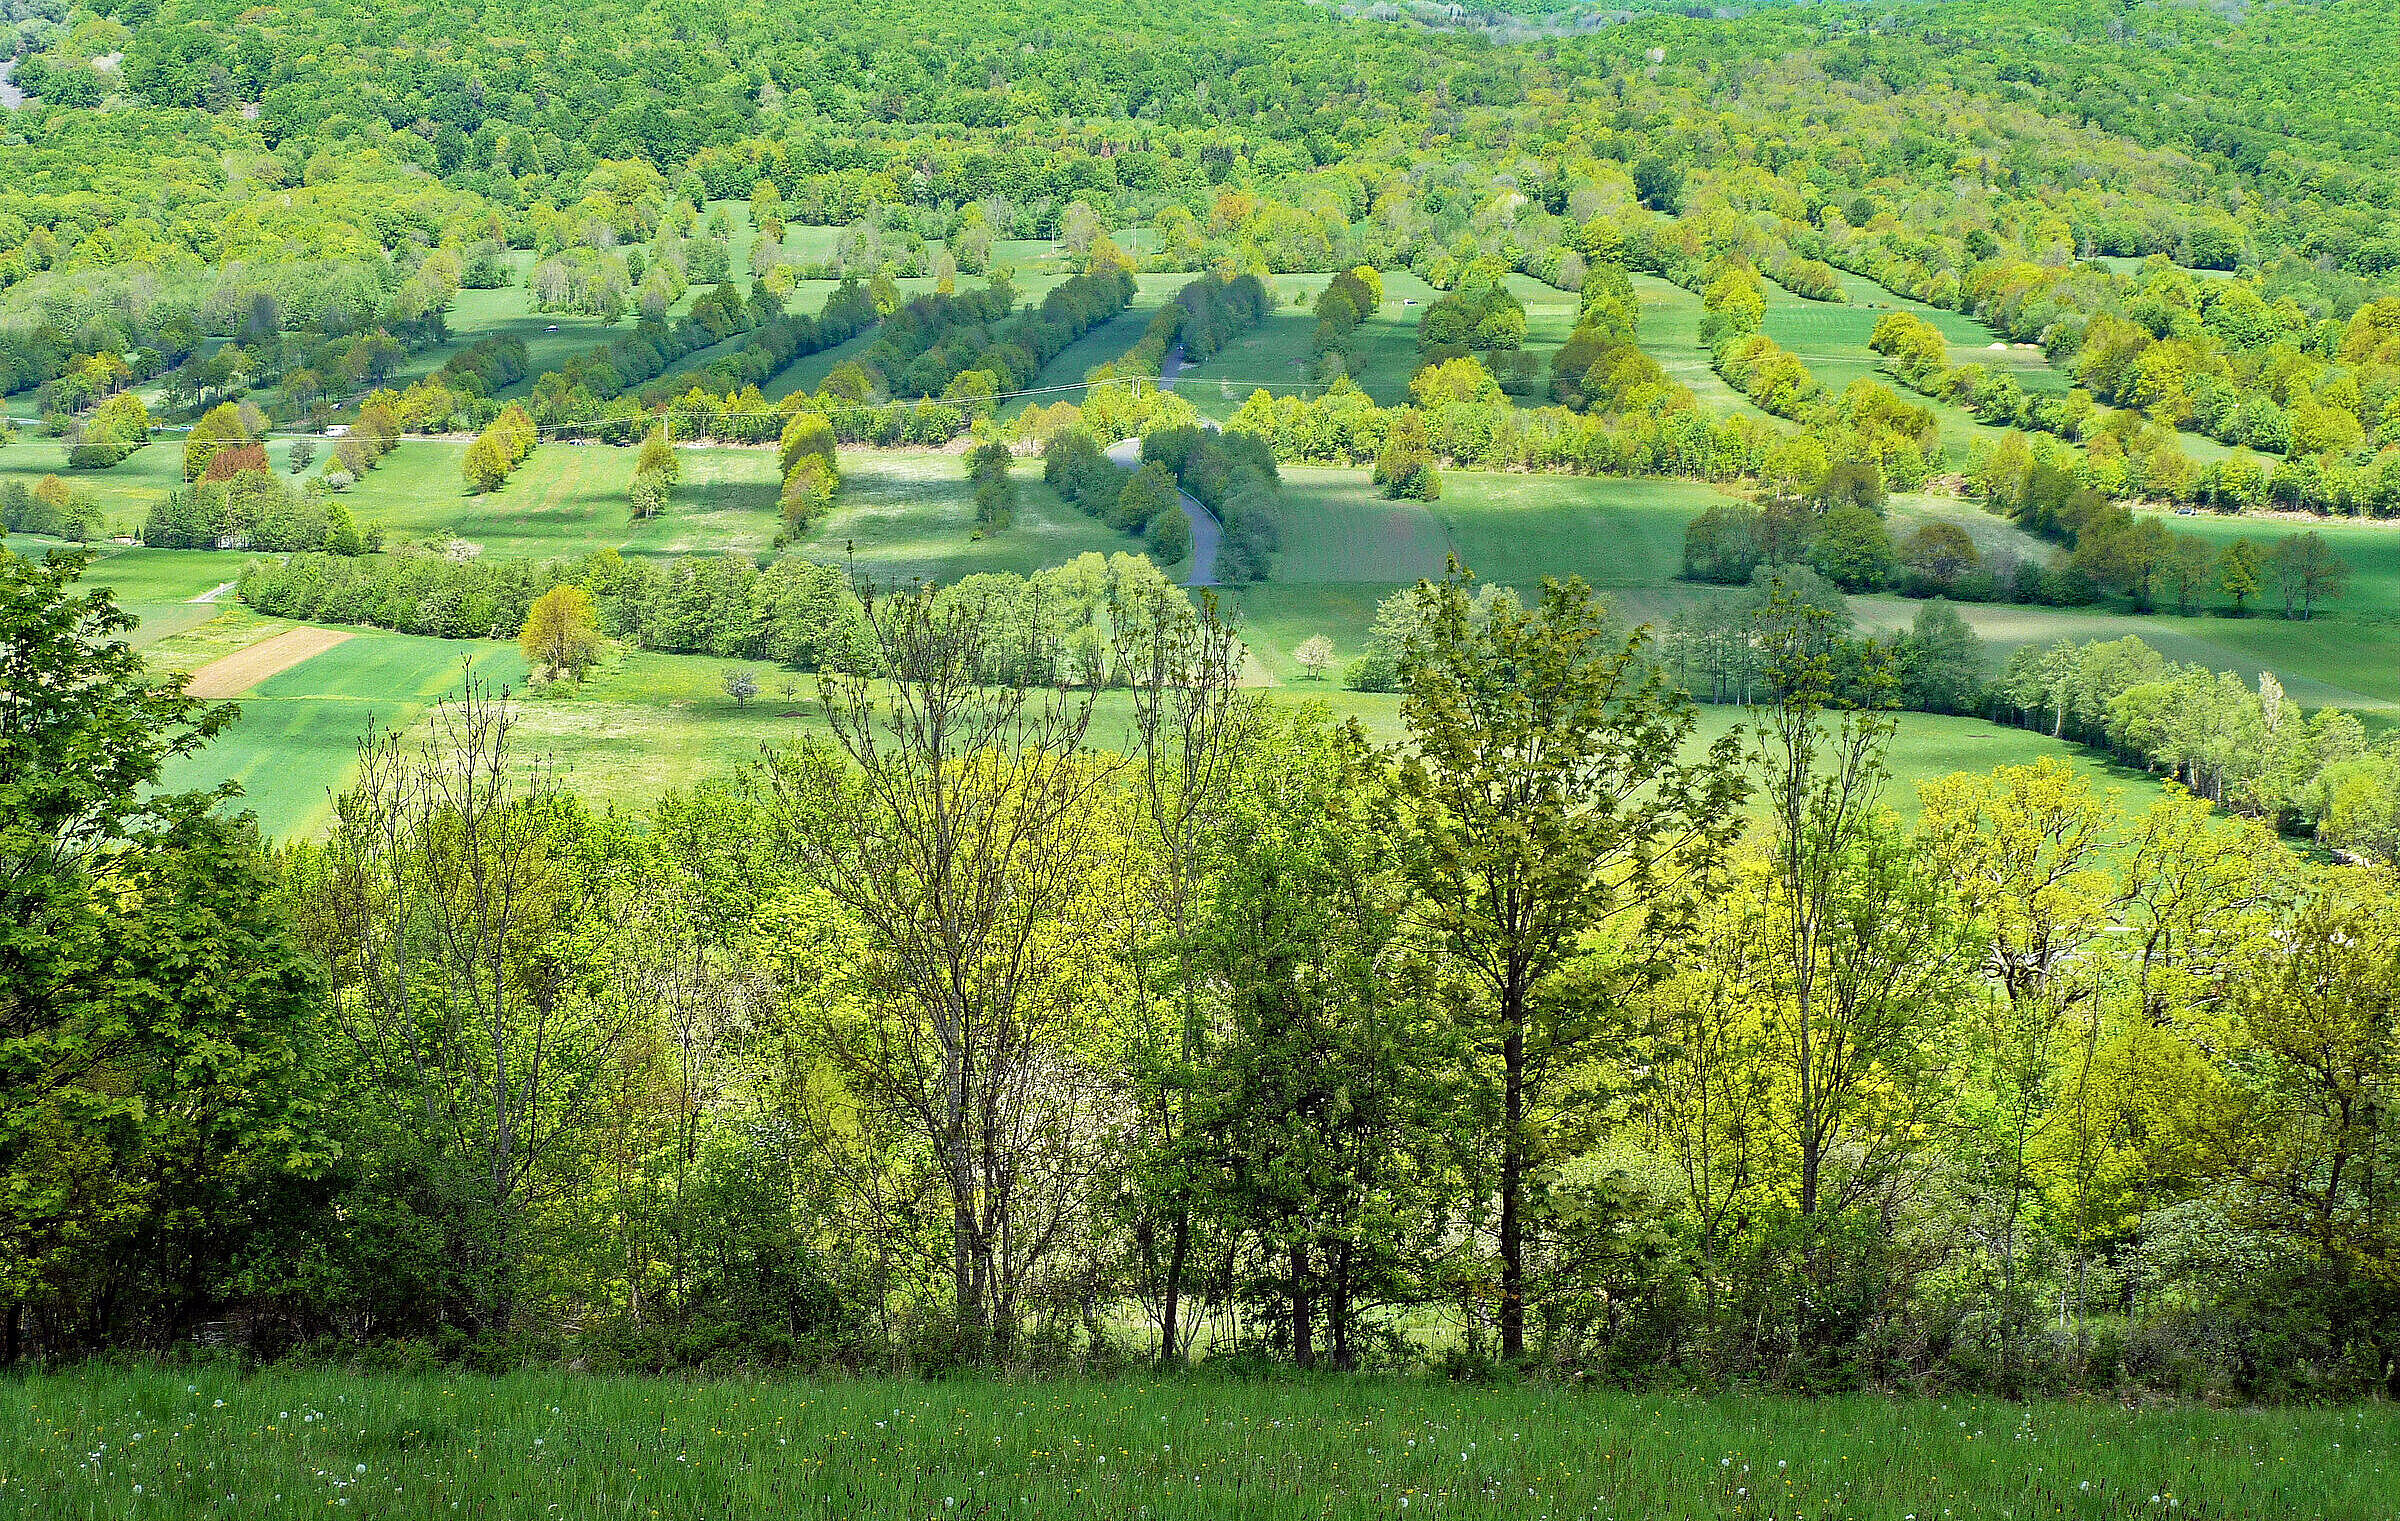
[[646, 720], [1345, 545], [202, 1442]]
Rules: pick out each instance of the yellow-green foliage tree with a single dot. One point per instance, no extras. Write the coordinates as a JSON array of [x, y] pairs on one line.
[[499, 449], [810, 475], [221, 426], [562, 636]]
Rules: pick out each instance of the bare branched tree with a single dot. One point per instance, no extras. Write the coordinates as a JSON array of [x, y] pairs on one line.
[[948, 815], [1192, 723], [455, 917]]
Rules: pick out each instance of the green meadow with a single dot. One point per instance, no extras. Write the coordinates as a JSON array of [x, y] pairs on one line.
[[647, 721], [535, 1446], [296, 741]]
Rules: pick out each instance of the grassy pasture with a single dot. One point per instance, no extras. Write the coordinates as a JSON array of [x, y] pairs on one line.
[[1670, 333], [906, 515], [284, 1444], [2372, 550], [125, 491], [1338, 528], [296, 740], [645, 723], [160, 587]]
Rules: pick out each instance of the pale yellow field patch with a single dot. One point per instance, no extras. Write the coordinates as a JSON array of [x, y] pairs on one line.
[[244, 669]]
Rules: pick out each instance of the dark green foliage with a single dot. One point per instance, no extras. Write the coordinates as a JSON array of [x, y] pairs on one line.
[[1853, 550], [1481, 314], [1169, 537], [155, 1021], [1234, 476], [995, 490], [1147, 493], [1724, 544], [1942, 665]]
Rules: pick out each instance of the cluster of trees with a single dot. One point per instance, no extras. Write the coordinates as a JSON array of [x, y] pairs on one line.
[[743, 415], [238, 503], [1479, 314], [811, 470], [2249, 749], [1404, 466], [487, 366], [227, 425], [960, 1035], [110, 431], [1343, 425], [1348, 299], [52, 507], [499, 449], [2151, 563], [1602, 366], [2140, 556], [577, 395], [988, 466], [1838, 530], [1142, 501], [965, 347], [1865, 421], [1722, 650], [655, 471], [1233, 475]]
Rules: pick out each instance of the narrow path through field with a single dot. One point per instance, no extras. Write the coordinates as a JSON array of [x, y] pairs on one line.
[[244, 669], [1205, 532], [216, 591]]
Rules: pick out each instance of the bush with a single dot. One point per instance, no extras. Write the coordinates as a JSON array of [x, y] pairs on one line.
[[97, 455], [1375, 671], [1169, 536]]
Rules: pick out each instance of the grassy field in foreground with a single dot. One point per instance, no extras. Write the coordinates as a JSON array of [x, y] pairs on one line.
[[205, 1443]]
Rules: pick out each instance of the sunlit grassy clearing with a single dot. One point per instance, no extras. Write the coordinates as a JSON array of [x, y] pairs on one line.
[[296, 739], [165, 1443], [645, 723]]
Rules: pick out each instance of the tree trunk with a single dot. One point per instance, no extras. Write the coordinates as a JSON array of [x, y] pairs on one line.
[[1178, 1249], [1337, 1304], [1512, 1177], [1303, 1349]]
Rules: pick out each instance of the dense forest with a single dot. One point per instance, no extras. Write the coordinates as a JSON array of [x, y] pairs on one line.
[[1065, 1001]]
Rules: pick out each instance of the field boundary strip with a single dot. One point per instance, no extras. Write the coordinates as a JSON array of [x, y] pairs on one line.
[[238, 672]]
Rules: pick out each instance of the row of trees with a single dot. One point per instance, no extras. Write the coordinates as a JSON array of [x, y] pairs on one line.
[[1837, 530], [969, 1029], [499, 449], [1233, 475], [2248, 748], [1142, 502]]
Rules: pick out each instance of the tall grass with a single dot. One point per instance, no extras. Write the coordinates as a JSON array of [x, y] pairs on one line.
[[189, 1444]]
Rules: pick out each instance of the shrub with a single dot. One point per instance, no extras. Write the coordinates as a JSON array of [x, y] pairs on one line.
[[1169, 536]]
